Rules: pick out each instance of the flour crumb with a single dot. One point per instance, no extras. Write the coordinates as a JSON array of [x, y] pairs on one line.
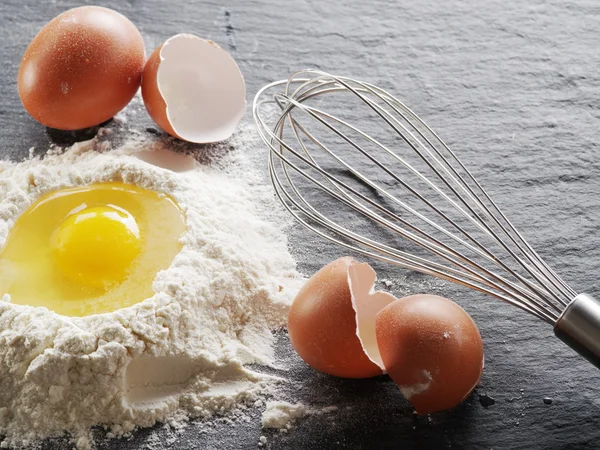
[[325, 410], [282, 415], [84, 443]]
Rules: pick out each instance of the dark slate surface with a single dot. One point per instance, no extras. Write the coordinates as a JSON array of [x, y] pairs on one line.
[[513, 87]]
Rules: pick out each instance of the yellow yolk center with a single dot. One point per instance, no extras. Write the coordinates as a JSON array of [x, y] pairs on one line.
[[90, 249], [96, 246]]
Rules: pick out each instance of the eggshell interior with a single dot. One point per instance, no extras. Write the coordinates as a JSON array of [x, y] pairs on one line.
[[202, 87], [367, 303]]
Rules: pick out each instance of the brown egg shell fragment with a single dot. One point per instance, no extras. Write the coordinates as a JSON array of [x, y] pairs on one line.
[[194, 90], [322, 324], [432, 350], [153, 99], [82, 68]]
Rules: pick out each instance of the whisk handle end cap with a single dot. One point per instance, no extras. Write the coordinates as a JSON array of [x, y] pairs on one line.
[[579, 327]]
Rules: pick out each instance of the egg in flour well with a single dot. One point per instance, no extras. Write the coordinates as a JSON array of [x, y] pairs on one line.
[[90, 249]]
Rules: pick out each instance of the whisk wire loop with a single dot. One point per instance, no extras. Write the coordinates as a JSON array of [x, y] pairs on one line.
[[449, 175], [443, 208], [481, 250]]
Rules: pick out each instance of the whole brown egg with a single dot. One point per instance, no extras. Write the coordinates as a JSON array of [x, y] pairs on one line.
[[82, 68]]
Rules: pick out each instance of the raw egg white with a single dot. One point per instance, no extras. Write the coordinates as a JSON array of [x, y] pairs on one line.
[[193, 89], [428, 345], [82, 68], [91, 249]]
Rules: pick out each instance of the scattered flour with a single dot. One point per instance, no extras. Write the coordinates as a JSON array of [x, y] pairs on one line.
[[182, 352], [387, 283], [414, 389], [282, 415]]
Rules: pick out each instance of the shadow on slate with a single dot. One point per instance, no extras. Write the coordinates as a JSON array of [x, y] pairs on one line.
[[66, 138]]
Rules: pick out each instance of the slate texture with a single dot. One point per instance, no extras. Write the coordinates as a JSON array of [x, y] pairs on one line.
[[514, 88]]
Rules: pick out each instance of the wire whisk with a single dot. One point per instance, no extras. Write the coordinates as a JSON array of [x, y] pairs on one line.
[[355, 165]]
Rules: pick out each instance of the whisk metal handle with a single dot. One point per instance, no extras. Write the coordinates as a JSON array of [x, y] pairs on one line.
[[579, 327]]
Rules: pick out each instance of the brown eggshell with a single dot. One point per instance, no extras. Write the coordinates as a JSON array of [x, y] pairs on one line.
[[82, 68], [322, 325], [432, 350], [193, 89], [153, 99]]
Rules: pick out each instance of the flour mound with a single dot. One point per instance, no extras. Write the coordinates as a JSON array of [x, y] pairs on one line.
[[182, 351]]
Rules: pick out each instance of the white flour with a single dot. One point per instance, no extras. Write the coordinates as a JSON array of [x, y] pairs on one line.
[[282, 415], [181, 351]]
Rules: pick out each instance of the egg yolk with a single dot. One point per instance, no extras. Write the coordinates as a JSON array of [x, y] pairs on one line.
[[96, 246], [91, 249]]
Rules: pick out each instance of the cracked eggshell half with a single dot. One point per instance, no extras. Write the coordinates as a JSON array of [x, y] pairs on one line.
[[432, 350], [331, 322], [193, 89]]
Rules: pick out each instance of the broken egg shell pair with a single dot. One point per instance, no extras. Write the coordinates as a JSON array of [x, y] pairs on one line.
[[427, 344], [193, 89]]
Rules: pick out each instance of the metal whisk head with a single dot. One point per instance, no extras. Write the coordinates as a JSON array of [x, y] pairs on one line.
[[355, 165]]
